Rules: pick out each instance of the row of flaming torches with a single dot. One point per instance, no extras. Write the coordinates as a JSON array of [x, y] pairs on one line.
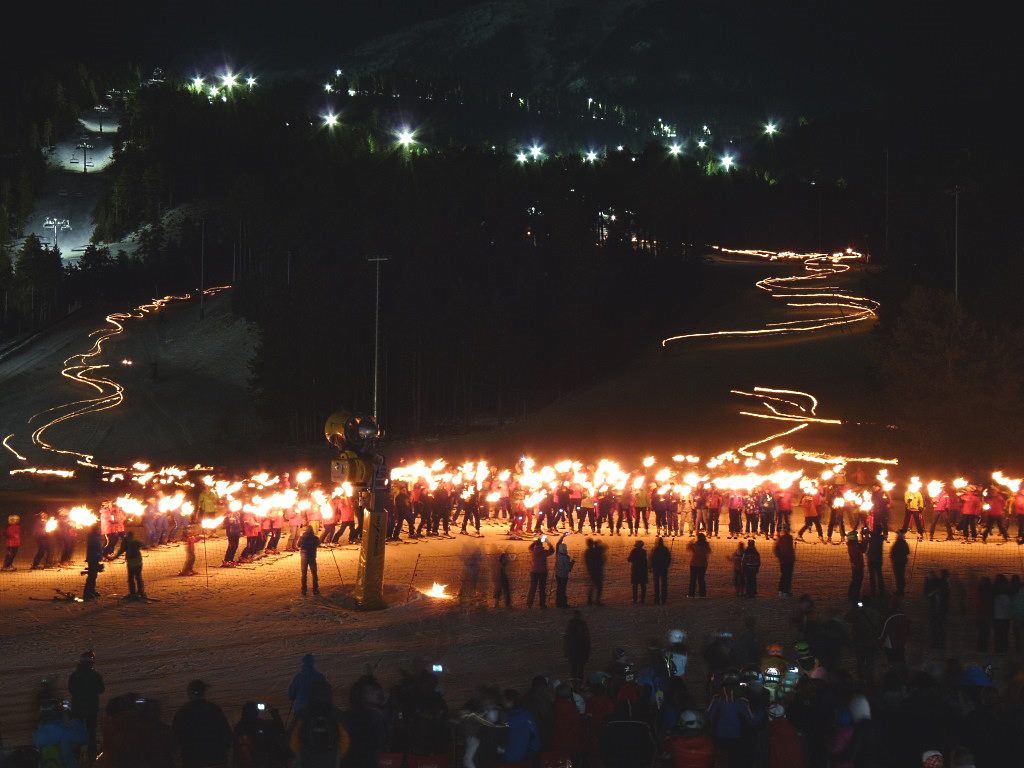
[[265, 495]]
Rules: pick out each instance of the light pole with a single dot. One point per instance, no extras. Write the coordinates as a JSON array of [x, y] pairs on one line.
[[100, 109], [376, 261], [85, 146], [202, 269], [58, 226]]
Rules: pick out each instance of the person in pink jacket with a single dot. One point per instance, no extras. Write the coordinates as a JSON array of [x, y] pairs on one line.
[[942, 512], [12, 537]]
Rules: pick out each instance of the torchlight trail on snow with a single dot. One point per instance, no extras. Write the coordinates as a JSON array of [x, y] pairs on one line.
[[818, 267], [9, 447], [262, 494], [767, 396], [110, 393]]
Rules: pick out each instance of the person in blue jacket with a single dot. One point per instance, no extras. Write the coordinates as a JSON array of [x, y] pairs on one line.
[[523, 734], [59, 736]]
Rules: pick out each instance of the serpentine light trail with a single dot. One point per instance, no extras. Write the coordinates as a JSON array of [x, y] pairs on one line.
[[80, 369], [799, 291], [765, 394], [818, 267]]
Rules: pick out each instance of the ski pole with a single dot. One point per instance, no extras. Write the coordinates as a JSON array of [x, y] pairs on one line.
[[412, 578], [335, 559], [206, 560]]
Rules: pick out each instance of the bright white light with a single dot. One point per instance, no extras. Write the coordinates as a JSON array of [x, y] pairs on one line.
[[771, 129], [619, 148], [521, 157], [405, 137], [214, 91], [727, 161], [330, 119], [250, 81], [351, 91], [591, 156], [536, 151], [702, 144], [229, 80], [328, 87], [337, 73], [675, 149], [197, 83]]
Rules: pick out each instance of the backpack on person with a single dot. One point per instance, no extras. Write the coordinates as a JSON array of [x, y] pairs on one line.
[[320, 730], [51, 756]]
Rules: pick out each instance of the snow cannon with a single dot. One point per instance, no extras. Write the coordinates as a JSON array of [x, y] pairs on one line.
[[355, 437]]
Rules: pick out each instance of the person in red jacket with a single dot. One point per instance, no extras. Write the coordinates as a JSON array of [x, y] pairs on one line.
[[970, 510], [783, 508], [568, 736], [780, 744], [995, 507], [13, 539], [600, 707], [345, 514], [1018, 511], [688, 746], [810, 503]]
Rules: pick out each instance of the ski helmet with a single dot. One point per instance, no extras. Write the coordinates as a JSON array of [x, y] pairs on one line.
[[676, 636]]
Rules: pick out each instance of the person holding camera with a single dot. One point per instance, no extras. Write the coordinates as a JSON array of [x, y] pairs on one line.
[[563, 566], [259, 741]]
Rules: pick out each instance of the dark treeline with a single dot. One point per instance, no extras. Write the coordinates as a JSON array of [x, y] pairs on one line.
[[41, 105], [507, 286], [951, 384]]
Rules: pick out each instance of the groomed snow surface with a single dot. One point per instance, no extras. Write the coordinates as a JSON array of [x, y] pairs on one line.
[[246, 632]]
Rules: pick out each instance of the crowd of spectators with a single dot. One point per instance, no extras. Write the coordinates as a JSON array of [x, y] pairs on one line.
[[846, 698]]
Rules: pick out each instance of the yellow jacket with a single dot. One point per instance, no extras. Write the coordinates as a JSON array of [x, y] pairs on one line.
[[914, 501]]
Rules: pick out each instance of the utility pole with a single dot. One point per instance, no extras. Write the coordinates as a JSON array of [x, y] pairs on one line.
[[818, 188], [376, 261], [956, 243], [819, 219], [885, 242], [202, 270]]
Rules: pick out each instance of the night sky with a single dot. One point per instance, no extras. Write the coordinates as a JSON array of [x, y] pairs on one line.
[[921, 53]]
